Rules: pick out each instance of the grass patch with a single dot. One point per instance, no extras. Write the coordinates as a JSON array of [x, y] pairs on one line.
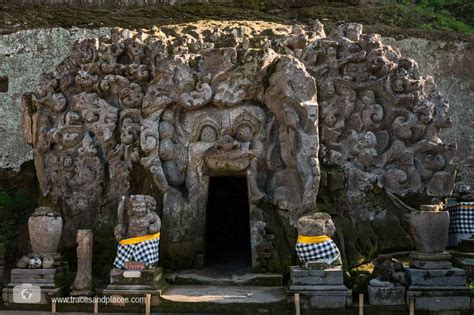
[[442, 18]]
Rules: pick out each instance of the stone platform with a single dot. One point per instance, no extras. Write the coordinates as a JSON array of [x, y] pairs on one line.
[[387, 296], [436, 299], [209, 276], [451, 277], [50, 282], [437, 286], [324, 288], [134, 283], [236, 299]]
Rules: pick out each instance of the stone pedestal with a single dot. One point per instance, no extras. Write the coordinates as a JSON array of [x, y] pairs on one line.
[[324, 288], [436, 285], [430, 261], [387, 295], [136, 283], [464, 256], [45, 283]]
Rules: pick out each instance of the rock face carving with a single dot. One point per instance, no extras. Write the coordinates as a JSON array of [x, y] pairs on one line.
[[182, 106]]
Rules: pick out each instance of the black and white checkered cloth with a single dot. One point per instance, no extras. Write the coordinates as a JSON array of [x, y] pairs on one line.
[[146, 251], [461, 218], [326, 251]]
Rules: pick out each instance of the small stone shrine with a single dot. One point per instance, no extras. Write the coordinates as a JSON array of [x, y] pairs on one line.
[[434, 283], [319, 279], [136, 269], [43, 268]]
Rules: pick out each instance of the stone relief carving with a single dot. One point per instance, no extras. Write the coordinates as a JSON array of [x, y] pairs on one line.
[[235, 101]]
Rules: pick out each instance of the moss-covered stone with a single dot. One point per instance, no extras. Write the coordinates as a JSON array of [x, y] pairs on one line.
[[360, 277]]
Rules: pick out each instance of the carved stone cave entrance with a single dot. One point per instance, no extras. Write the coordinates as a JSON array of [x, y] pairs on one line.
[[176, 109], [228, 222]]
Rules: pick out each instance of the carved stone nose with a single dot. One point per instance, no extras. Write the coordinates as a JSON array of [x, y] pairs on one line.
[[227, 143]]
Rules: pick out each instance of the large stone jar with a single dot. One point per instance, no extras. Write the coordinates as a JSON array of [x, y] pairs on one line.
[[429, 229], [45, 228]]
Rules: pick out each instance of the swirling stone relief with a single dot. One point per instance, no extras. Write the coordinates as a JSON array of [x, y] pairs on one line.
[[235, 101]]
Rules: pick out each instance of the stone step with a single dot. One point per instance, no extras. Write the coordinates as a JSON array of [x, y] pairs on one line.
[[311, 288], [437, 277], [248, 279], [302, 276], [236, 298], [441, 301]]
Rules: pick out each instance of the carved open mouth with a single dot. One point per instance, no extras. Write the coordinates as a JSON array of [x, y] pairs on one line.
[[228, 161]]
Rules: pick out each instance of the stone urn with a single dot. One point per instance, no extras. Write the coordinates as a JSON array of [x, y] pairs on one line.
[[45, 228], [429, 228]]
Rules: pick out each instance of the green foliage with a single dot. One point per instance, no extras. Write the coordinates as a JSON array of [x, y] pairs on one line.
[[442, 19], [255, 4], [470, 283], [15, 209], [457, 15]]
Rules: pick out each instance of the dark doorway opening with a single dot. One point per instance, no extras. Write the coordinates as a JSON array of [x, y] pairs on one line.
[[228, 222]]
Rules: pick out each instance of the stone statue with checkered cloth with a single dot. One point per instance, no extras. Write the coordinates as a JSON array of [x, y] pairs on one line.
[[137, 231], [314, 244]]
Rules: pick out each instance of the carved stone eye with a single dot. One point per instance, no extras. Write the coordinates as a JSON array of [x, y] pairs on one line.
[[208, 134], [244, 133]]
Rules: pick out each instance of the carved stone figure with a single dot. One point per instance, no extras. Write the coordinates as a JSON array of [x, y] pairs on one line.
[[314, 245], [137, 217], [137, 231], [83, 283], [176, 108]]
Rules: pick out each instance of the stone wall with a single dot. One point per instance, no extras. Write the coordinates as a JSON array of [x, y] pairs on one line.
[[26, 54]]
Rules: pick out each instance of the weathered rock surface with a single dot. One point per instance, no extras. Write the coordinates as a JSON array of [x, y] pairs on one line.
[[383, 146], [451, 66], [24, 56], [316, 224]]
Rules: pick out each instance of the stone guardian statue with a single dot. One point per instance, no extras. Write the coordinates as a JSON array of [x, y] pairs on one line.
[[137, 231], [314, 245]]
